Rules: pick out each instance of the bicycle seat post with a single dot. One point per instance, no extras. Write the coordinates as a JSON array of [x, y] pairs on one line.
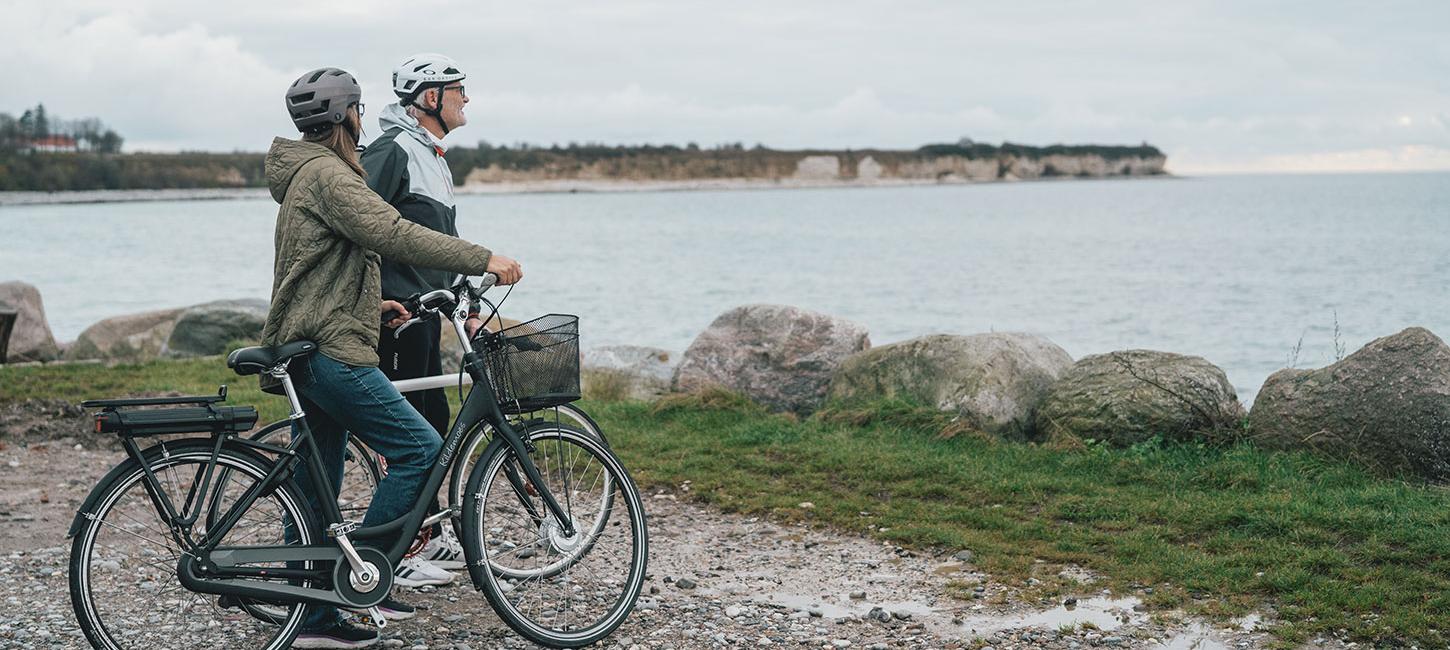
[[280, 372]]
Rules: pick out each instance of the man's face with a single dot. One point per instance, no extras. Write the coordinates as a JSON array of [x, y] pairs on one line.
[[454, 99]]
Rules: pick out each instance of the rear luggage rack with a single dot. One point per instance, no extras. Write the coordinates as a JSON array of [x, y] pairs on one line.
[[205, 418]]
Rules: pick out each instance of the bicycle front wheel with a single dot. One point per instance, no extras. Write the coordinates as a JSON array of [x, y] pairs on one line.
[[477, 441], [123, 582], [555, 589]]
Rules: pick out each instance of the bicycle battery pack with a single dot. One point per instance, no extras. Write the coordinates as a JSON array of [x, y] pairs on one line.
[[122, 417]]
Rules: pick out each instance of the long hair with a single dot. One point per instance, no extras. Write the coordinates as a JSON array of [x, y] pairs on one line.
[[342, 140]]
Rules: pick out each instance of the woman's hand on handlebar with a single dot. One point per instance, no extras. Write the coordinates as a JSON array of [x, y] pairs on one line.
[[506, 268], [397, 310]]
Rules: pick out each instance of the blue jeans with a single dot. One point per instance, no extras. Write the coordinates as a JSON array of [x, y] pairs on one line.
[[339, 398]]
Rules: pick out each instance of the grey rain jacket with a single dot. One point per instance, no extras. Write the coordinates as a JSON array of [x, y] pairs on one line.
[[409, 172]]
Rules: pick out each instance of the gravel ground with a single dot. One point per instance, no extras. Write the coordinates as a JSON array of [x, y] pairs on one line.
[[716, 579]]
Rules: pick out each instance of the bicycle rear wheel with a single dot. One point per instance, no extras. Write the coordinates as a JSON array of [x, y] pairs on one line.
[[123, 582], [361, 469], [554, 589]]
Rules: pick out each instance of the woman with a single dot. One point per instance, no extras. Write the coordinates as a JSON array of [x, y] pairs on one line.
[[331, 230]]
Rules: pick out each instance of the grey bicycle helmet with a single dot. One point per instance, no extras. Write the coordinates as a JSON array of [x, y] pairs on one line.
[[320, 98]]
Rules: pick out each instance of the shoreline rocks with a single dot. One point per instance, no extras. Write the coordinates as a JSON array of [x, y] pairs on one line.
[[132, 337], [629, 371], [30, 339], [1130, 396], [207, 328], [780, 356], [996, 380], [1387, 405]]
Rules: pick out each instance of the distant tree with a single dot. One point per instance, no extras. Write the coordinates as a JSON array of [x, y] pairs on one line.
[[109, 142]]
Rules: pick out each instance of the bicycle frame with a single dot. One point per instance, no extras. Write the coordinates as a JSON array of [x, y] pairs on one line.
[[208, 567]]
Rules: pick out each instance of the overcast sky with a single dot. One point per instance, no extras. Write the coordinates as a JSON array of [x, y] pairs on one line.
[[1220, 86]]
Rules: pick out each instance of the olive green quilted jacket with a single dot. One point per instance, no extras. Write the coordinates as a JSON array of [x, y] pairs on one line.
[[331, 229]]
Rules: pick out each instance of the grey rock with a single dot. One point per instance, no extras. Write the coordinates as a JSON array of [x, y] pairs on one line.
[[782, 357], [30, 338], [1130, 396], [963, 556], [208, 328], [132, 337], [1387, 405], [994, 380], [628, 371], [685, 583]]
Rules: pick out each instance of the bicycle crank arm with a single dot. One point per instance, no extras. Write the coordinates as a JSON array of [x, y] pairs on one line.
[[446, 513]]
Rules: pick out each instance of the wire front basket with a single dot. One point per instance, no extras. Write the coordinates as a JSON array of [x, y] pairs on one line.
[[535, 365]]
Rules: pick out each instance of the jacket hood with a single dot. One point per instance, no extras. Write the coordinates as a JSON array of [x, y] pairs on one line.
[[394, 116], [284, 159]]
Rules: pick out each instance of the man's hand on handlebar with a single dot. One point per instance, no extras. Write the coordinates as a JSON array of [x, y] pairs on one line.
[[398, 312], [506, 268]]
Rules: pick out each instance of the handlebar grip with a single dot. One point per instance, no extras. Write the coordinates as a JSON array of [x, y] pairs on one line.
[[487, 280], [390, 315]]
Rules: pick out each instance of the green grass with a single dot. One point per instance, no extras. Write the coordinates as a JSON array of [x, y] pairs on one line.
[[1215, 530]]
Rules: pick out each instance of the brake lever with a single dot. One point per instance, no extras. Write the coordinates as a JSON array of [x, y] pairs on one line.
[[398, 332]]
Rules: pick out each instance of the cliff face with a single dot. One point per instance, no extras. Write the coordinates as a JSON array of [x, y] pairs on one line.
[[820, 166]]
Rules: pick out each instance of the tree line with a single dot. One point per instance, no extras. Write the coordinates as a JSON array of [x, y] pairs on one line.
[[37, 129]]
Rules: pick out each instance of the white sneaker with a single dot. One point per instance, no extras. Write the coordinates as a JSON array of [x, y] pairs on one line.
[[416, 572], [444, 551]]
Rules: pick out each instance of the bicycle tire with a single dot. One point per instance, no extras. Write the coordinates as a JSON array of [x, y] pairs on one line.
[[623, 544], [478, 440], [110, 497]]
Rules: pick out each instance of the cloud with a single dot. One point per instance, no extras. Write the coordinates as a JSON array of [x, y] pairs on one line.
[[176, 89], [1214, 85]]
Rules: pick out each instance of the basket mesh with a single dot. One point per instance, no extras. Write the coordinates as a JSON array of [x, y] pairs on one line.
[[536, 364]]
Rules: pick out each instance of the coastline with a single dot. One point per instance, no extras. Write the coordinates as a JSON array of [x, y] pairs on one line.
[[556, 186]]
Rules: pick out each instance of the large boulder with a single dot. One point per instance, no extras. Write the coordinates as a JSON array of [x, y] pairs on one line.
[[628, 371], [994, 380], [133, 337], [30, 338], [208, 328], [1130, 396], [780, 356], [1387, 405]]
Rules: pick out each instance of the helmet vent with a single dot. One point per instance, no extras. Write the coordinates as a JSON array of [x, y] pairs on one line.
[[316, 76], [302, 98]]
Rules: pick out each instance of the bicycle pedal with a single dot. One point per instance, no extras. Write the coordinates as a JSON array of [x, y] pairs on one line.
[[378, 619]]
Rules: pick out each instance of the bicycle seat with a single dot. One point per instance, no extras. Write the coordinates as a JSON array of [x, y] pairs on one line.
[[250, 361]]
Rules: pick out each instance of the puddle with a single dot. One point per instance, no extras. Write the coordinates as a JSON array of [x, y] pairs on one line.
[[834, 610], [1197, 637], [949, 568], [1103, 612]]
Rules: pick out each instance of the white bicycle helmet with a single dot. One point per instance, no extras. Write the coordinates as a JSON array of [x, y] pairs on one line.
[[422, 71]]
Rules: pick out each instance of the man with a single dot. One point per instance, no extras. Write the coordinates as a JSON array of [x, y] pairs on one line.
[[405, 166]]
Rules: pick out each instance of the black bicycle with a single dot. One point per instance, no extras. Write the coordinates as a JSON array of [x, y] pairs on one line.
[[363, 468], [553, 527]]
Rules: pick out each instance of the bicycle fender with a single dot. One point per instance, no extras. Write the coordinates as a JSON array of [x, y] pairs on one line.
[[84, 513]]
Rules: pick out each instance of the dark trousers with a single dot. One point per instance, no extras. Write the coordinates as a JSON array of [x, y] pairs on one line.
[[412, 355]]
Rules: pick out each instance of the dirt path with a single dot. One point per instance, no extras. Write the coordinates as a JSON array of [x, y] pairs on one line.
[[716, 580]]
